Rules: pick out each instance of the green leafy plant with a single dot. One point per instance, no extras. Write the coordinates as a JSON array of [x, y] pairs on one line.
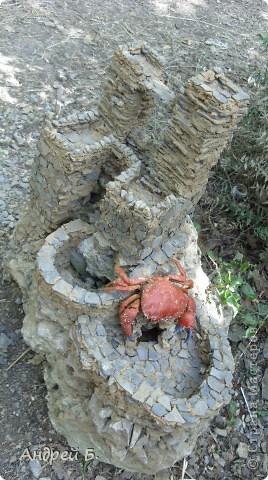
[[233, 282], [232, 409], [262, 413]]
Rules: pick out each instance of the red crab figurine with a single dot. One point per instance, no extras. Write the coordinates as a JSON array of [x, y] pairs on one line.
[[158, 299]]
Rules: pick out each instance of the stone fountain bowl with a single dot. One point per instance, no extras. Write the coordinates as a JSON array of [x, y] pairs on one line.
[[130, 401]]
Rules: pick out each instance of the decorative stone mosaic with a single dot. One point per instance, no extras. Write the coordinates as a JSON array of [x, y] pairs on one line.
[[99, 197]]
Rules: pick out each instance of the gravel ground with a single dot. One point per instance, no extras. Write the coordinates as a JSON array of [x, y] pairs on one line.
[[53, 59]]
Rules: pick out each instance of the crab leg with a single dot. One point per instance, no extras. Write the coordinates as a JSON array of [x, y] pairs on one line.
[[187, 320], [122, 287], [129, 309], [126, 279], [125, 284], [186, 283], [182, 277]]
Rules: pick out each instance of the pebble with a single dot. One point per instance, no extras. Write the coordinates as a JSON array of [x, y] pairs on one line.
[[5, 341], [221, 432], [242, 450], [19, 139], [35, 468]]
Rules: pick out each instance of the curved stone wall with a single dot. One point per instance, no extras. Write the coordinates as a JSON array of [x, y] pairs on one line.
[[125, 399]]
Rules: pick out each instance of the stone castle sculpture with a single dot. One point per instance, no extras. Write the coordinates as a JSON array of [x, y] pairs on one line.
[[103, 193]]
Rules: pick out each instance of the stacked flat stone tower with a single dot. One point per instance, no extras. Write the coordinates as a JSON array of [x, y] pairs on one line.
[[102, 195]]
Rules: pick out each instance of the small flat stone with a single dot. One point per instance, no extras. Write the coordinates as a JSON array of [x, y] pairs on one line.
[[46, 264], [98, 355], [146, 252], [243, 450], [61, 235], [196, 362], [143, 392], [142, 352], [118, 365], [92, 298], [106, 349], [241, 95], [189, 418], [149, 368], [181, 405], [114, 342], [63, 288], [105, 412], [159, 256], [120, 349], [180, 363], [180, 378], [163, 352], [168, 249], [184, 354], [5, 341], [211, 402], [78, 295], [136, 379], [109, 298], [125, 384], [135, 435], [219, 374], [100, 330], [107, 368], [226, 395], [217, 355], [215, 384], [156, 365], [200, 408], [153, 355], [159, 410], [165, 401], [218, 397], [221, 432], [52, 277], [35, 468], [74, 226], [164, 364], [47, 251], [195, 375], [175, 350], [174, 416], [221, 98], [157, 241]]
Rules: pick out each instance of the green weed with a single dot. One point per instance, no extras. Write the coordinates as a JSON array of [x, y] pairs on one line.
[[232, 410], [233, 282]]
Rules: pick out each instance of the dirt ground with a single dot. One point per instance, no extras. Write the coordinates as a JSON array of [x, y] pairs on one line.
[[53, 59]]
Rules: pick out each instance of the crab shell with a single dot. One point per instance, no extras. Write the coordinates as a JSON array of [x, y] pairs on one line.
[[162, 301]]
